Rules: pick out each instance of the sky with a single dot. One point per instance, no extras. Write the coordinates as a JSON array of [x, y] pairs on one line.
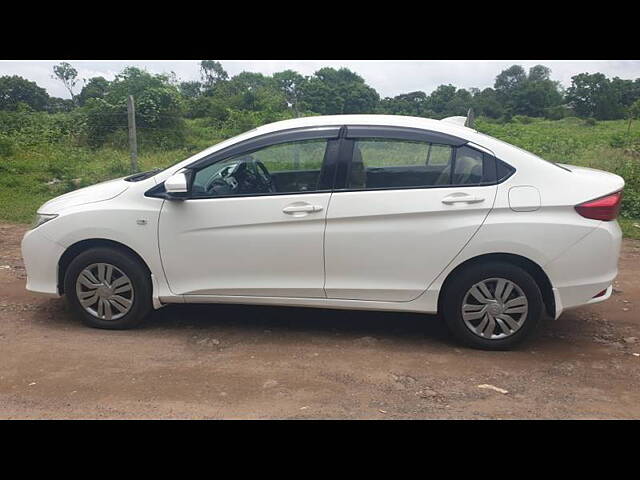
[[388, 77]]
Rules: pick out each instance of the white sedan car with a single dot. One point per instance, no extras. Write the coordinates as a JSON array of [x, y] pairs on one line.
[[353, 212]]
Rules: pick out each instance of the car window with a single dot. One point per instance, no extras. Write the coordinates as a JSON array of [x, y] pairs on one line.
[[391, 163], [283, 168], [468, 169]]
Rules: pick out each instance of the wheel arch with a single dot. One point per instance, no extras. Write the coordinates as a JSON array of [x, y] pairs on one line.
[[83, 245], [526, 264]]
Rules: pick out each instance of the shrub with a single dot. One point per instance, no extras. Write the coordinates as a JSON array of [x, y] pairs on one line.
[[557, 112], [618, 140], [6, 146], [523, 119]]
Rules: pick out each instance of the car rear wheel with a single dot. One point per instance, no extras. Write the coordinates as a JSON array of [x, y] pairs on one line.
[[493, 306], [107, 288]]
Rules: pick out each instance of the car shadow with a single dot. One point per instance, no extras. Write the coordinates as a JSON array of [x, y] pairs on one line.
[[249, 319]]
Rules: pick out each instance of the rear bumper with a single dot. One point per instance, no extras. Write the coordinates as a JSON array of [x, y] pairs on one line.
[[561, 308], [586, 268], [41, 257]]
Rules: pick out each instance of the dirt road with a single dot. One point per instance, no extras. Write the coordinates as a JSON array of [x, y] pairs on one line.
[[267, 362]]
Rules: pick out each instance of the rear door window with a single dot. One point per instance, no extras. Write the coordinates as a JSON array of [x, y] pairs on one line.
[[390, 163], [469, 167]]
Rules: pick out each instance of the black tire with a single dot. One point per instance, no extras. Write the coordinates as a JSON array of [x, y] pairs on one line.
[[131, 267], [456, 290]]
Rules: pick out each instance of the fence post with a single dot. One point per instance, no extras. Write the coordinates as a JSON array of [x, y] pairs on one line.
[[133, 141]]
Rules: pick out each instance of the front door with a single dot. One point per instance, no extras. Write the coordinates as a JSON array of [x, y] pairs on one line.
[[253, 224]]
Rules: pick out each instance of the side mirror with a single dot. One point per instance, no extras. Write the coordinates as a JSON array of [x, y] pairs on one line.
[[177, 186]]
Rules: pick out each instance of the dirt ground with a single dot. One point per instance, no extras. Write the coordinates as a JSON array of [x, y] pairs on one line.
[[267, 362]]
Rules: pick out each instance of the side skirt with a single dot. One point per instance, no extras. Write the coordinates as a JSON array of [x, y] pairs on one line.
[[426, 303]]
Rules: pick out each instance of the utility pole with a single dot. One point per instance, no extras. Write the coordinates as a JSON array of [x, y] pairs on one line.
[[133, 141]]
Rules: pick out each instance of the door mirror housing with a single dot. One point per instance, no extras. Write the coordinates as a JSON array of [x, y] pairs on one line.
[[177, 186]]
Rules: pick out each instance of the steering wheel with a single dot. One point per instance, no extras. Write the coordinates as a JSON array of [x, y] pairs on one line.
[[264, 175], [223, 182], [247, 176]]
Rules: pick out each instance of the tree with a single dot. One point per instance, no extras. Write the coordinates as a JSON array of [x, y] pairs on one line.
[[190, 89], [539, 73], [626, 91], [15, 90], [95, 87], [158, 108], [591, 95], [211, 73], [447, 100], [60, 105], [413, 104], [634, 114], [509, 80], [522, 94], [538, 93], [329, 91], [251, 91], [68, 76], [290, 84], [486, 103]]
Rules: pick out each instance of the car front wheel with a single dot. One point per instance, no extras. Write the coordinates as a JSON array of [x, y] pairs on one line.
[[493, 306], [107, 288]]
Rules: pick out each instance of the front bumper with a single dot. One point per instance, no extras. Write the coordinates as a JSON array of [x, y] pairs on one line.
[[41, 257]]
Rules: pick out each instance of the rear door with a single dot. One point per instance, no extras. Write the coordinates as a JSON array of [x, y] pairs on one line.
[[407, 201]]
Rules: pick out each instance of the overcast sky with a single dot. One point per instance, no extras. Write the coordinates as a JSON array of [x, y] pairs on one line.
[[388, 77]]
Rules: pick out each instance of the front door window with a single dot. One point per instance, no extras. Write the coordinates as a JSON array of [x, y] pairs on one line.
[[291, 167]]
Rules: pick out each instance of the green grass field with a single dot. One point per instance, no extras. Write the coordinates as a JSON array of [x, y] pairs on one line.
[[34, 169]]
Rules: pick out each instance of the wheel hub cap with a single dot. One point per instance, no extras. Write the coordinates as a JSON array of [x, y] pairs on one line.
[[104, 291], [494, 308]]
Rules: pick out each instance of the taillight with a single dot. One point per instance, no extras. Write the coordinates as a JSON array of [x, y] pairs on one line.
[[604, 208]]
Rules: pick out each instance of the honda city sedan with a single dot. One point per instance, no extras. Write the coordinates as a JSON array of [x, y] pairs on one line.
[[370, 212]]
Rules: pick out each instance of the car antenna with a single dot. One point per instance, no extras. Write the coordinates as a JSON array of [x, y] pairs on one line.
[[470, 119]]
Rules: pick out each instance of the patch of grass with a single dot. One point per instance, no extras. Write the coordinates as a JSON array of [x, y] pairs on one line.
[[630, 227], [30, 177]]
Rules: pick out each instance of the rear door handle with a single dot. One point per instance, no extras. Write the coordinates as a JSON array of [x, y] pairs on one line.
[[450, 200], [302, 208]]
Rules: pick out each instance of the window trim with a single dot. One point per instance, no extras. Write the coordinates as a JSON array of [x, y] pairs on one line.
[[403, 133]]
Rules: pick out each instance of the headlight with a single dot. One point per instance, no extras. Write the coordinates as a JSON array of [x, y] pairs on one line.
[[42, 218]]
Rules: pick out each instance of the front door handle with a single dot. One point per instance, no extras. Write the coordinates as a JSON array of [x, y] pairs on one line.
[[450, 200], [291, 209]]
